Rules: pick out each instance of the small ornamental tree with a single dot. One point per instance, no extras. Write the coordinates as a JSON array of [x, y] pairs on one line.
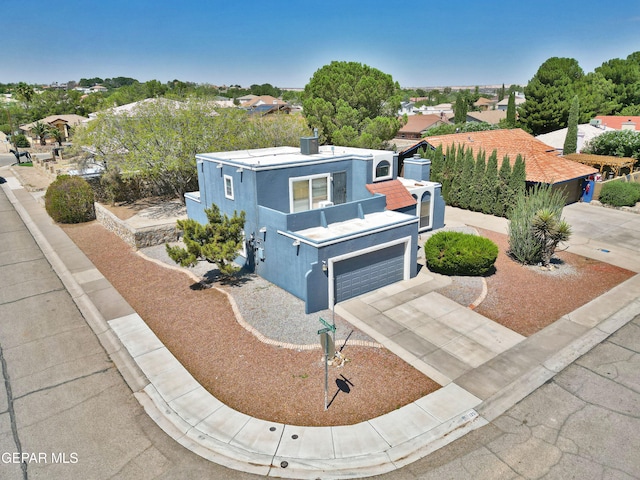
[[216, 242]]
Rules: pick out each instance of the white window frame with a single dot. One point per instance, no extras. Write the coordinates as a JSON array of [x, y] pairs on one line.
[[389, 176], [228, 195], [308, 178]]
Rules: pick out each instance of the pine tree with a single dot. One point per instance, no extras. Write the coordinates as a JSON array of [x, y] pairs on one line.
[[571, 140], [490, 185], [504, 197], [216, 242]]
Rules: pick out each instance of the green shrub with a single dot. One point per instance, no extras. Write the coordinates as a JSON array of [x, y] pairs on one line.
[[70, 200], [619, 194], [456, 253], [20, 141]]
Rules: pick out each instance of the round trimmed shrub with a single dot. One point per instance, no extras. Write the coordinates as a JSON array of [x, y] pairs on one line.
[[69, 199], [457, 253], [620, 194]]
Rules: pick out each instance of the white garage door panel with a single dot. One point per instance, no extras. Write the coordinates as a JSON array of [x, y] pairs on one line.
[[368, 272]]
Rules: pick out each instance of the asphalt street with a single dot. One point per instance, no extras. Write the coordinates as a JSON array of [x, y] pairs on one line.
[[67, 413]]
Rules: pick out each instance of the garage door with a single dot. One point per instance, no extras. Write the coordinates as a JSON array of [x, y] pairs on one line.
[[367, 272]]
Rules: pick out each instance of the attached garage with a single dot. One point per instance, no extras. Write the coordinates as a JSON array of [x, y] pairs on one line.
[[362, 271]]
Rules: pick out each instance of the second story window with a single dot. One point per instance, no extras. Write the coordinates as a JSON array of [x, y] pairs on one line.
[[228, 187], [306, 193], [382, 170]]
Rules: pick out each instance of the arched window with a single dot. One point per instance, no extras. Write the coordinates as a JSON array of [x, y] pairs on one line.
[[383, 170]]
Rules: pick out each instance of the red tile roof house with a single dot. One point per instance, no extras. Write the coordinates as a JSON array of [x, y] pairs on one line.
[[619, 122], [542, 163]]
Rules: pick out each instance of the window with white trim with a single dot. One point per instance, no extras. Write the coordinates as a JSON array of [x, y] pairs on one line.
[[228, 187], [382, 170], [306, 193]]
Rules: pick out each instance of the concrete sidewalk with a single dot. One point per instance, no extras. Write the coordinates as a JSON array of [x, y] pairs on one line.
[[476, 395]]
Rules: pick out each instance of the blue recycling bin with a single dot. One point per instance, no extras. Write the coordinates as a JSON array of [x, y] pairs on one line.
[[587, 190]]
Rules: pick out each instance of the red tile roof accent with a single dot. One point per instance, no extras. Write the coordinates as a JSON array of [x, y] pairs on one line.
[[542, 164], [397, 195], [616, 121]]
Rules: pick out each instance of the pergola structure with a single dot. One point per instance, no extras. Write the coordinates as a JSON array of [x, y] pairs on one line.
[[614, 164]]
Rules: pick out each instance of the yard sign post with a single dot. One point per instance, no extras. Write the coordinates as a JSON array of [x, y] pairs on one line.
[[328, 344]]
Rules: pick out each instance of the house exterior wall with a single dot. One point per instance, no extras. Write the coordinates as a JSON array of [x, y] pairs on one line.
[[276, 246]]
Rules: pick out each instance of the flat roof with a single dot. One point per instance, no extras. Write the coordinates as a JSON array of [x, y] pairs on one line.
[[354, 226], [288, 156]]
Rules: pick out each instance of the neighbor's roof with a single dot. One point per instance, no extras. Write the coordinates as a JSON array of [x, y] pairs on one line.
[[71, 119], [484, 101], [490, 116], [557, 137], [616, 121], [542, 164], [397, 195], [420, 123], [263, 99]]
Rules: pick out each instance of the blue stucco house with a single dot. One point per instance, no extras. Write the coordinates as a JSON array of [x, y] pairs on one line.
[[325, 223]]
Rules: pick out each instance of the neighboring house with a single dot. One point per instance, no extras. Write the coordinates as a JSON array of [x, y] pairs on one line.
[[246, 98], [542, 163], [492, 117], [325, 223], [504, 103], [586, 132], [98, 88], [265, 104], [618, 122], [484, 104], [417, 126], [407, 108], [64, 123], [442, 109]]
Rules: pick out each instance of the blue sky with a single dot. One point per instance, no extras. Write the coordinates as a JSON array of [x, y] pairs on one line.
[[420, 43]]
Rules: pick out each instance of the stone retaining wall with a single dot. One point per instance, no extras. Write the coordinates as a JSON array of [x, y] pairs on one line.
[[137, 238]]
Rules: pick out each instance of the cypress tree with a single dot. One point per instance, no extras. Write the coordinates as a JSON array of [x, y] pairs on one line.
[[460, 109], [448, 168], [455, 186], [465, 199], [490, 185], [437, 164], [478, 180], [511, 110], [571, 140], [517, 184], [504, 198]]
